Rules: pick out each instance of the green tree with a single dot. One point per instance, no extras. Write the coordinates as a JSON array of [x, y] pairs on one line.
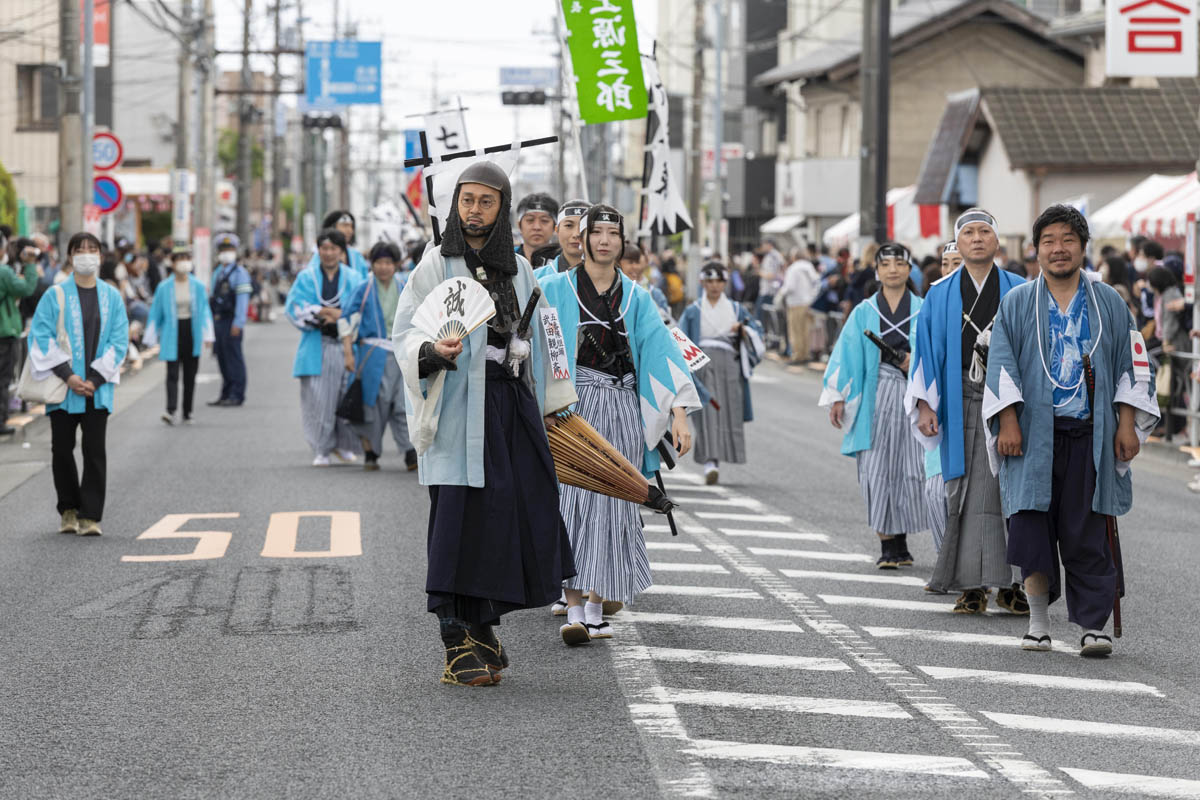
[[292, 206], [227, 154], [8, 199]]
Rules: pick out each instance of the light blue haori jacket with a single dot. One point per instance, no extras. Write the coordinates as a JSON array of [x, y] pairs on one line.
[[1016, 377], [368, 329], [749, 353], [303, 303], [549, 268], [446, 415], [358, 262], [936, 372], [852, 374], [163, 326], [663, 379], [45, 353]]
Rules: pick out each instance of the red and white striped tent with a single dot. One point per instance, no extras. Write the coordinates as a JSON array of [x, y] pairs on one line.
[[922, 228], [1157, 207]]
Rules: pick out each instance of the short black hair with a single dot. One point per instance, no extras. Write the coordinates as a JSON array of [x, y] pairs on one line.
[[1152, 250], [385, 250], [1061, 213], [331, 219], [332, 235], [1160, 279], [632, 252], [1136, 242], [78, 239]]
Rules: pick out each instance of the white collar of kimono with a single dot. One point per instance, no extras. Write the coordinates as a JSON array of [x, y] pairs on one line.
[[594, 320], [718, 317], [883, 320], [1042, 289], [336, 300]]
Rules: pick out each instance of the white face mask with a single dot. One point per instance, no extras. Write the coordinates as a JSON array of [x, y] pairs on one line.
[[121, 273], [1141, 263], [227, 256], [86, 263], [183, 267]]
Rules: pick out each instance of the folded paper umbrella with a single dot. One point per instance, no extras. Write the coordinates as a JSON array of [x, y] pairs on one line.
[[584, 458], [454, 309]]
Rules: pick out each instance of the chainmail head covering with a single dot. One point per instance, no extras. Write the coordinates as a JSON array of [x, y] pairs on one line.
[[497, 252]]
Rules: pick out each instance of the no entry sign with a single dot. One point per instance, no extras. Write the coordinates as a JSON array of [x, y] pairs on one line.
[[106, 193]]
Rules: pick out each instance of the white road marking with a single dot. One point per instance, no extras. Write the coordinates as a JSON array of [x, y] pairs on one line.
[[899, 605], [695, 620], [797, 536], [1082, 727], [681, 476], [758, 660], [1140, 785], [824, 555], [666, 566], [1040, 681], [781, 519], [656, 528], [718, 592], [691, 487], [787, 755], [856, 577], [732, 502], [950, 637], [682, 547], [793, 704]]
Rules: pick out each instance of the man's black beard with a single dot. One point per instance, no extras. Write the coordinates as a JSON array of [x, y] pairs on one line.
[[481, 231]]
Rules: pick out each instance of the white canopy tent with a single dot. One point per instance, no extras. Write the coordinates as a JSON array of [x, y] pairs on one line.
[[922, 228], [1157, 207]]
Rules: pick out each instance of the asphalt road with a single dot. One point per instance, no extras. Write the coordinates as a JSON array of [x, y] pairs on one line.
[[295, 659]]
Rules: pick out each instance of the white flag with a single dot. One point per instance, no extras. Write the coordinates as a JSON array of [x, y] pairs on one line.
[[664, 211], [446, 132], [445, 178]]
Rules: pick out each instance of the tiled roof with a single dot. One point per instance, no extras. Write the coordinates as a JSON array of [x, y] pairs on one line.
[[947, 146]]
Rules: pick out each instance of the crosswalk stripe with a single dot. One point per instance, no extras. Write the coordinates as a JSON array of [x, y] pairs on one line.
[[690, 487], [682, 477], [657, 528], [856, 577], [899, 605], [718, 592], [1140, 785], [781, 519], [1039, 680], [666, 566], [758, 660], [824, 555], [732, 502], [792, 755], [695, 620], [1081, 727], [951, 637], [793, 704], [682, 547], [797, 536]]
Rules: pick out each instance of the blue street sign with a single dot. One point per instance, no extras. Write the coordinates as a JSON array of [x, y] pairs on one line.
[[532, 77], [106, 193], [412, 146], [342, 73]]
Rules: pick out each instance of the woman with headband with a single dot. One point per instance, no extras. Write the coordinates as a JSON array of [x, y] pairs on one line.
[[570, 240], [864, 391]]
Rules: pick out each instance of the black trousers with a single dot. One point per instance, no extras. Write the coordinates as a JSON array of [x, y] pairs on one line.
[[10, 354], [86, 497], [190, 364]]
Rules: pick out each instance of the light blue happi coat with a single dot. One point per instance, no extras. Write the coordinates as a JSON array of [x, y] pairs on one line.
[[163, 325], [1018, 363], [367, 326], [446, 410], [936, 372], [358, 262], [45, 354], [548, 269], [689, 323], [303, 302], [663, 378], [852, 374]]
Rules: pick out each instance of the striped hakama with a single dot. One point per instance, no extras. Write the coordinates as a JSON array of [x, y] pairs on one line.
[[721, 435], [974, 551], [319, 395], [892, 473], [606, 533], [935, 494]]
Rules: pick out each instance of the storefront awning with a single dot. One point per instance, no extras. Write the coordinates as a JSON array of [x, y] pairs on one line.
[[782, 224]]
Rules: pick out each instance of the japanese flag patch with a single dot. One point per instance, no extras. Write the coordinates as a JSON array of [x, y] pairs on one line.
[[1141, 358]]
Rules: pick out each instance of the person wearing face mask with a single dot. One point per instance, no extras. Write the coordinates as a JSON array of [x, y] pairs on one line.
[[230, 302], [180, 321], [570, 216], [16, 281], [98, 332], [343, 222]]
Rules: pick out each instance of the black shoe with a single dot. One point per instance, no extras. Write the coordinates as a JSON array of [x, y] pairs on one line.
[[888, 558], [229, 403], [903, 557], [410, 460], [6, 430], [220, 401], [488, 648], [463, 665], [370, 461]]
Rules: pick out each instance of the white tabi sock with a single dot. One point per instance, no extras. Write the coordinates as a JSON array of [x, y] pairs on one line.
[[709, 465], [1039, 615], [574, 614], [593, 613]]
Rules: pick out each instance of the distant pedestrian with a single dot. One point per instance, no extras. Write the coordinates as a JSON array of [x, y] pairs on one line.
[[230, 302], [180, 323], [98, 332], [17, 280], [801, 285], [536, 220]]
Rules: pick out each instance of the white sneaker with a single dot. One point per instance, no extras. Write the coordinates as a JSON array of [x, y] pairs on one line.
[[321, 461], [1194, 463], [168, 418], [1195, 485], [345, 456]]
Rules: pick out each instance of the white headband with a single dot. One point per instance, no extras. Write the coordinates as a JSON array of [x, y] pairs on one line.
[[974, 215], [571, 211]]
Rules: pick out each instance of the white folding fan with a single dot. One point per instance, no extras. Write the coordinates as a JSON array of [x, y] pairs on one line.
[[454, 309]]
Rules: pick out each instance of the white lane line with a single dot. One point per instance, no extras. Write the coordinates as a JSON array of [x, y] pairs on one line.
[[717, 592], [656, 528], [788, 755], [682, 547], [1082, 727], [731, 502], [685, 477], [667, 566], [795, 536], [781, 519], [898, 605], [950, 637], [695, 620], [1040, 681], [823, 555], [757, 660], [793, 704], [694, 488], [1140, 785], [855, 577]]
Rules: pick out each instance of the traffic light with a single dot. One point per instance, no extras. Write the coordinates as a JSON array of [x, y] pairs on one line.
[[321, 121], [534, 98]]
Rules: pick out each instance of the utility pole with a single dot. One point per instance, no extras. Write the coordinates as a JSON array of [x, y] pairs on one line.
[[181, 215], [697, 181], [89, 98], [70, 126], [874, 96], [206, 155], [244, 176], [560, 183], [718, 129], [276, 139]]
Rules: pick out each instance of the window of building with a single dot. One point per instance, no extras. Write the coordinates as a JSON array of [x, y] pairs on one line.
[[37, 97]]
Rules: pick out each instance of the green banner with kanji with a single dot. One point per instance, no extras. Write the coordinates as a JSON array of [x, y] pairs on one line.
[[602, 38]]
